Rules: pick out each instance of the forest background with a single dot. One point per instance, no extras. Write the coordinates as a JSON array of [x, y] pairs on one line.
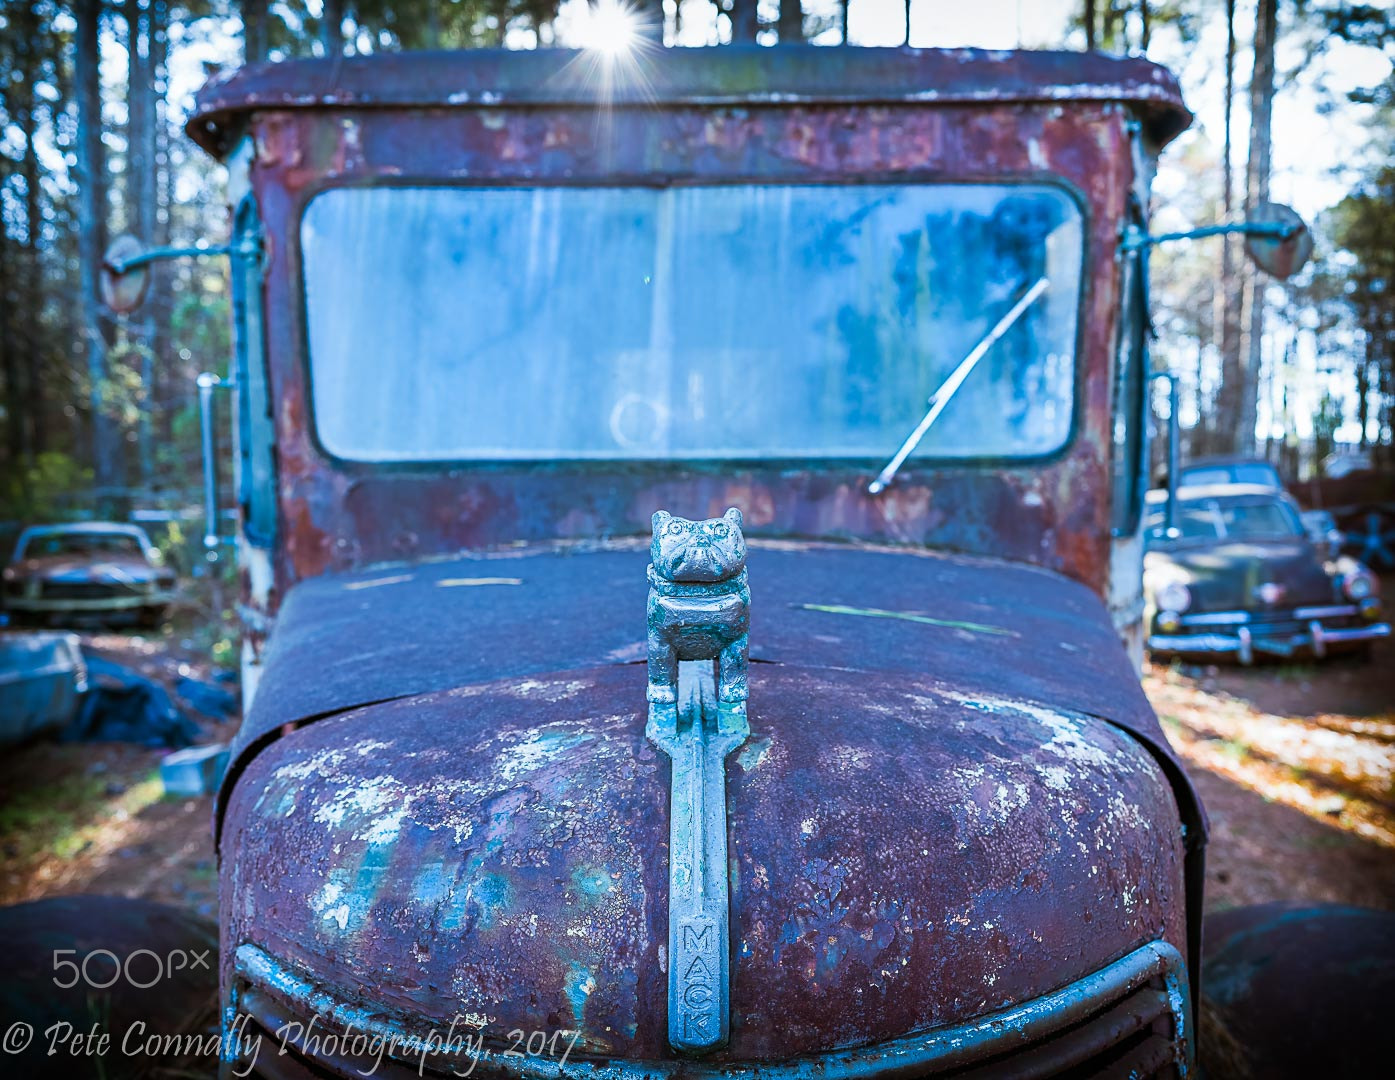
[[1295, 101]]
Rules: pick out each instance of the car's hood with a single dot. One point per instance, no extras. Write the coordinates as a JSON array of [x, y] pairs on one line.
[[980, 625], [1227, 576], [904, 854], [105, 569]]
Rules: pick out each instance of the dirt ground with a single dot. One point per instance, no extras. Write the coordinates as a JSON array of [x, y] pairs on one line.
[[1295, 763], [94, 818]]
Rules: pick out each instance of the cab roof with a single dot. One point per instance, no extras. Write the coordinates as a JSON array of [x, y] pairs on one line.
[[732, 75]]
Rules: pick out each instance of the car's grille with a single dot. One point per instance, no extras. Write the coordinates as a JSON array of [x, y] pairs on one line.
[[84, 590], [1287, 622], [1129, 1019]]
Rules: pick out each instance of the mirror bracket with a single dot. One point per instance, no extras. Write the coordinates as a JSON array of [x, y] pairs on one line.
[[1276, 239], [124, 279], [1135, 238]]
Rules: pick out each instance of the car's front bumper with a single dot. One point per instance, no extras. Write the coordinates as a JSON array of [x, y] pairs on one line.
[[97, 605], [1315, 631]]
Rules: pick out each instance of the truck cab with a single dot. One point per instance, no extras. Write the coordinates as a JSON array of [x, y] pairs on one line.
[[494, 310]]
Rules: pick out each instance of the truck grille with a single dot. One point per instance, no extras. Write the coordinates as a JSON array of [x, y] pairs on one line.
[[84, 590], [1130, 1019]]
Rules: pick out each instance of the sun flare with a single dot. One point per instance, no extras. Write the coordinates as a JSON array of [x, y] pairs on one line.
[[611, 27]]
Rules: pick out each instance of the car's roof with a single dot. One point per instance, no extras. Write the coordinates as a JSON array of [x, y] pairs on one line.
[[88, 527], [730, 75]]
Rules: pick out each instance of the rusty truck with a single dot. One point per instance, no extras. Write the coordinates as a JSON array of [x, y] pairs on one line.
[[497, 310]]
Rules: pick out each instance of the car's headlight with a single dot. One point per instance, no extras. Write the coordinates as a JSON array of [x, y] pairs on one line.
[[1358, 585], [1174, 596]]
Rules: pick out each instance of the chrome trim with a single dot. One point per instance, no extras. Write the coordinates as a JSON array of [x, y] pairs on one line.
[[941, 1049], [1246, 644], [1358, 633], [1217, 618], [1302, 614], [1330, 611]]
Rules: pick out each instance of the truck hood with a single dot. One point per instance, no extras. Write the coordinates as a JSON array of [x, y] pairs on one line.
[[981, 625], [1224, 577], [954, 797], [903, 855]]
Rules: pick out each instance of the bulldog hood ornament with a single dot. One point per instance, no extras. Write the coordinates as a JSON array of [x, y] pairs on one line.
[[699, 615]]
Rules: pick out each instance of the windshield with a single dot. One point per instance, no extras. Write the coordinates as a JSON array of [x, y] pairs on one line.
[[38, 547], [687, 322], [1214, 519], [1244, 472]]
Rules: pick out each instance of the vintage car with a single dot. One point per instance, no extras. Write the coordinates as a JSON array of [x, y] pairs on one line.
[[92, 571], [1236, 572], [42, 679], [691, 550], [1358, 500]]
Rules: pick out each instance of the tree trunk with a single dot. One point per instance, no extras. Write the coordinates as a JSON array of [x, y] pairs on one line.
[[1108, 32], [332, 28], [649, 15], [158, 305], [254, 41], [1088, 16], [152, 161], [140, 209], [743, 21], [790, 23], [33, 434], [9, 360], [843, 21], [1257, 192], [1225, 418], [1145, 26], [907, 6], [1363, 392], [91, 168]]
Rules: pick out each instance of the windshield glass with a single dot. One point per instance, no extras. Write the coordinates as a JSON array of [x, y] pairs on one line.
[[38, 547], [1213, 519], [1244, 472], [687, 322]]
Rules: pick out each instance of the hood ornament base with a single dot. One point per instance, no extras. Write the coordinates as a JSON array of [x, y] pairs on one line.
[[699, 614]]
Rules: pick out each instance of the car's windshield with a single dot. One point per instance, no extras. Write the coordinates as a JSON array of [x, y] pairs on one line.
[[1226, 519], [1241, 472], [737, 321], [96, 544]]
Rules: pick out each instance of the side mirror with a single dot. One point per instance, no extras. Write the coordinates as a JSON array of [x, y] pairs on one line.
[[1277, 240], [125, 275]]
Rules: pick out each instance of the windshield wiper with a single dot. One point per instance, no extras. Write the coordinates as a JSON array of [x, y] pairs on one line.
[[947, 389]]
